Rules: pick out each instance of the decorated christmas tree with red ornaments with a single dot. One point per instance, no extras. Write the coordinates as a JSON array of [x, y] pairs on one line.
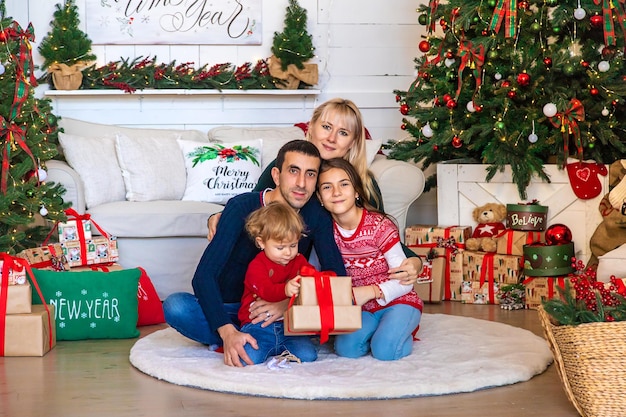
[[519, 82], [28, 137]]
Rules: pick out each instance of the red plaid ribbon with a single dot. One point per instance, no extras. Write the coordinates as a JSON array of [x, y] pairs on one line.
[[473, 58], [432, 14], [568, 122], [14, 134], [506, 10], [607, 19], [17, 264]]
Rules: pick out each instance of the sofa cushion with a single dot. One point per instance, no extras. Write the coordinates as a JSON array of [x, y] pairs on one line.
[[152, 168], [274, 138], [95, 160], [217, 172], [154, 219]]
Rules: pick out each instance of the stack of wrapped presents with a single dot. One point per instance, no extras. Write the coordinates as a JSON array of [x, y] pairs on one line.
[[519, 251], [25, 329]]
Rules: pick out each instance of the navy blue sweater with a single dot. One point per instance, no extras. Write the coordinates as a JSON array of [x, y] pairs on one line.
[[222, 268]]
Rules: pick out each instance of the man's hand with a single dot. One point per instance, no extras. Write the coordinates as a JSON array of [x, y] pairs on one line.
[[266, 312], [212, 225], [408, 271], [234, 342]]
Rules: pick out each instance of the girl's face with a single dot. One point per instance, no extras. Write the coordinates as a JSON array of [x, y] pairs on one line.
[[336, 191], [280, 252], [332, 135]]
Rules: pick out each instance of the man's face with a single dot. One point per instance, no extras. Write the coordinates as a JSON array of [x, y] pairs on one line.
[[297, 179]]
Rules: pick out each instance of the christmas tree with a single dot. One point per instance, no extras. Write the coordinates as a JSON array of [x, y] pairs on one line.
[[517, 82], [294, 45], [28, 136], [65, 43]]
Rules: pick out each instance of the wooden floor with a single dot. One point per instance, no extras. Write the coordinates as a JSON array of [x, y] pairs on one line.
[[94, 378]]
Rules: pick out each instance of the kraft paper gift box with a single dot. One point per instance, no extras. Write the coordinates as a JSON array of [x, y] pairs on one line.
[[420, 234], [540, 289], [304, 315], [432, 292], [19, 299], [451, 274], [484, 266], [46, 257], [511, 242], [14, 277], [29, 334], [473, 292], [98, 250]]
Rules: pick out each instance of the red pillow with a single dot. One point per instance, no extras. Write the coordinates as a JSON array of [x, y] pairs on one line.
[[150, 306]]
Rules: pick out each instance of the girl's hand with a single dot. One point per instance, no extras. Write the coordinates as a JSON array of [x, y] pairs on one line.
[[408, 271], [365, 293], [292, 287], [212, 225]]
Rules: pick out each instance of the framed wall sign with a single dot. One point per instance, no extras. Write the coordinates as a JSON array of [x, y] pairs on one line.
[[180, 22]]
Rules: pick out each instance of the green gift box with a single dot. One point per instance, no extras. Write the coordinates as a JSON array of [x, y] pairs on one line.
[[527, 217], [548, 261]]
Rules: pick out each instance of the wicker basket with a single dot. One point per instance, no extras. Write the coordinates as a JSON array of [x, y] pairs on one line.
[[591, 361]]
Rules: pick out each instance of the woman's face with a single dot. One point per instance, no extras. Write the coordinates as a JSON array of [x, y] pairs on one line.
[[332, 136]]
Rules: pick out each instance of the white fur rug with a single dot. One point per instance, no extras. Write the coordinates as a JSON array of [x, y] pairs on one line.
[[454, 354]]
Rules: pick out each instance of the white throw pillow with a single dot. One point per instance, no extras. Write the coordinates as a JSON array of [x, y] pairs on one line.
[[216, 172], [152, 168], [372, 146], [94, 159], [612, 263]]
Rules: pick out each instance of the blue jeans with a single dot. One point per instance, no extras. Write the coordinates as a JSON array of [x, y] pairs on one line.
[[387, 333], [272, 341], [183, 312]]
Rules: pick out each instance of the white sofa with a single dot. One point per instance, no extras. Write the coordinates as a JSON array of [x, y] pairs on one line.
[[164, 234]]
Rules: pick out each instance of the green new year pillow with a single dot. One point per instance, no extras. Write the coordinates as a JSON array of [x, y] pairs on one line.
[[91, 304]]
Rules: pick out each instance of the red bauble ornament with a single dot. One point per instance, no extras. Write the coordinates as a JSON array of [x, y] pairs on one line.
[[425, 76], [424, 46], [615, 102], [435, 148], [485, 32], [523, 79], [3, 36], [478, 108], [436, 101], [403, 126], [456, 142], [443, 24], [547, 61], [596, 21], [404, 109], [511, 94], [522, 5], [456, 12], [558, 234], [451, 104], [585, 64], [594, 91], [446, 98], [506, 83], [398, 98], [608, 52], [449, 54]]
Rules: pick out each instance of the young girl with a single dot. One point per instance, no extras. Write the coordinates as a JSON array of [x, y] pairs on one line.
[[370, 245], [273, 275]]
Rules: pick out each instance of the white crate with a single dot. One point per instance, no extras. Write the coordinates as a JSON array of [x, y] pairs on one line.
[[461, 187]]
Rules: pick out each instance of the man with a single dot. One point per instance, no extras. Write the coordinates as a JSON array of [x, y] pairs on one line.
[[209, 315]]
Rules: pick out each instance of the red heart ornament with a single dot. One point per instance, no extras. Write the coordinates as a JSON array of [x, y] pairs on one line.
[[583, 173]]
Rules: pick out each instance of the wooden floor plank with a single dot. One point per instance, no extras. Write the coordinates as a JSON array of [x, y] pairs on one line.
[[95, 378]]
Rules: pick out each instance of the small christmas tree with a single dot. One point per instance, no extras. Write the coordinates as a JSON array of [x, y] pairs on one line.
[[28, 136], [66, 49], [520, 83], [294, 45]]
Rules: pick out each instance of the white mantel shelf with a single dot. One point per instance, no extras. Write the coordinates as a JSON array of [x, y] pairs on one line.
[[178, 92]]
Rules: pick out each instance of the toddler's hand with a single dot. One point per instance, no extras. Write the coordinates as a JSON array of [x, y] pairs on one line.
[[292, 287]]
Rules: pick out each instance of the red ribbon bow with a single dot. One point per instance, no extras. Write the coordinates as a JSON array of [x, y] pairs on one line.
[[568, 122], [324, 298], [12, 132], [472, 57]]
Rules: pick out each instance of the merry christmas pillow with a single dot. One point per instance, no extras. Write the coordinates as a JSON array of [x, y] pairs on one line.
[[91, 304], [216, 172]]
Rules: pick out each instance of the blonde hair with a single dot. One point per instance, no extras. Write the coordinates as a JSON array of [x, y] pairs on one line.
[[275, 221], [351, 116]]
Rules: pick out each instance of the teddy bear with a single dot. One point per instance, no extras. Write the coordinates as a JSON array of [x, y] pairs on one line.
[[490, 218]]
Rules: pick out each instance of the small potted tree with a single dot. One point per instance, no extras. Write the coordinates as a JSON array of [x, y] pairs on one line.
[[66, 49], [291, 48]]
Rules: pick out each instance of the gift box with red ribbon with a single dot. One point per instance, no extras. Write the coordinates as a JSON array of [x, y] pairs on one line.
[[30, 332], [540, 289], [473, 292], [324, 306], [511, 242], [85, 249], [420, 239], [488, 270], [46, 257], [434, 268]]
